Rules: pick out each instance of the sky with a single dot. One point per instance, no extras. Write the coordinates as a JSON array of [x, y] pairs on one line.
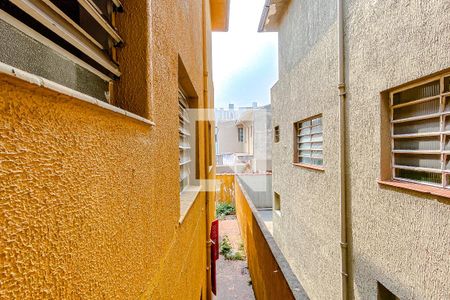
[[244, 61]]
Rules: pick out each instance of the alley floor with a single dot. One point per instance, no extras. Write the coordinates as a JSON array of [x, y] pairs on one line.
[[233, 278]]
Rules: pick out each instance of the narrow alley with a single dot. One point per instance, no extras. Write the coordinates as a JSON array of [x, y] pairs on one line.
[[224, 149], [233, 278]]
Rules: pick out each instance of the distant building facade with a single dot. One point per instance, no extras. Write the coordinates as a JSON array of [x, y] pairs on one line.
[[360, 173], [243, 137]]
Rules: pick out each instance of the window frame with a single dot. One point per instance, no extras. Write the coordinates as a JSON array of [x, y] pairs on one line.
[[276, 134], [276, 202], [240, 134], [185, 141], [55, 20], [297, 142], [443, 98]]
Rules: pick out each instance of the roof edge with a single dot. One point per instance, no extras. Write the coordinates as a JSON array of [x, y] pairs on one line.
[[264, 15], [220, 15], [272, 14]]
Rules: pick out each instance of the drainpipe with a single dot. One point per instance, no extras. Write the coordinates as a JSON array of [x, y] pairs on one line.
[[206, 171], [342, 156]]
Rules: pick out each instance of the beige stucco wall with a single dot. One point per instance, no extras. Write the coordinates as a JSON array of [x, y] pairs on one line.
[[227, 138], [400, 239], [90, 204], [308, 231], [262, 139]]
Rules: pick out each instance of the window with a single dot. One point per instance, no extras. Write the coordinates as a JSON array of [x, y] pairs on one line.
[[276, 202], [308, 148], [83, 30], [216, 139], [276, 134], [420, 133], [240, 134], [209, 148], [385, 294], [184, 141]]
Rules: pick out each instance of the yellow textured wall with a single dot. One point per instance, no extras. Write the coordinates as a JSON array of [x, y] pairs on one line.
[[267, 279], [133, 26], [219, 13], [226, 192], [89, 199]]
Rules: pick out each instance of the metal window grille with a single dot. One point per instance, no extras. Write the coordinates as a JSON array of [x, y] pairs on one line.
[[420, 133], [309, 141], [184, 141], [85, 28]]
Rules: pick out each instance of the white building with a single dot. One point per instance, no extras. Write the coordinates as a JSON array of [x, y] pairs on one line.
[[243, 139]]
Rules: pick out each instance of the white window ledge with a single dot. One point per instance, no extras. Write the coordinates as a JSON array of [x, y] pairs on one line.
[[187, 199], [42, 82]]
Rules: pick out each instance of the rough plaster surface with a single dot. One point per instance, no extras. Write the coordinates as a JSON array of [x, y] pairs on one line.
[[302, 27], [308, 231], [226, 191], [400, 239], [272, 278], [89, 199]]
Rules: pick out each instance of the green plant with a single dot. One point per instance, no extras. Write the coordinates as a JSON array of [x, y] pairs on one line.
[[226, 249], [225, 246], [224, 209], [237, 256], [241, 247]]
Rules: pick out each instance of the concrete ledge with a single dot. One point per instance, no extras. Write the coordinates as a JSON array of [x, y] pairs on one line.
[[416, 187], [187, 199], [12, 72], [295, 286]]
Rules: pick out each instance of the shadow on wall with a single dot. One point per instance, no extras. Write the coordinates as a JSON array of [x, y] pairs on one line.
[[393, 285], [258, 188]]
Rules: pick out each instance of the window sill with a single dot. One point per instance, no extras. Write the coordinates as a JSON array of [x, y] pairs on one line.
[[311, 167], [430, 190], [187, 199], [60, 89]]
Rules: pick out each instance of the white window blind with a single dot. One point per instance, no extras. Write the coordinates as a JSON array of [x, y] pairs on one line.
[[184, 141], [85, 28], [420, 133], [309, 143]]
